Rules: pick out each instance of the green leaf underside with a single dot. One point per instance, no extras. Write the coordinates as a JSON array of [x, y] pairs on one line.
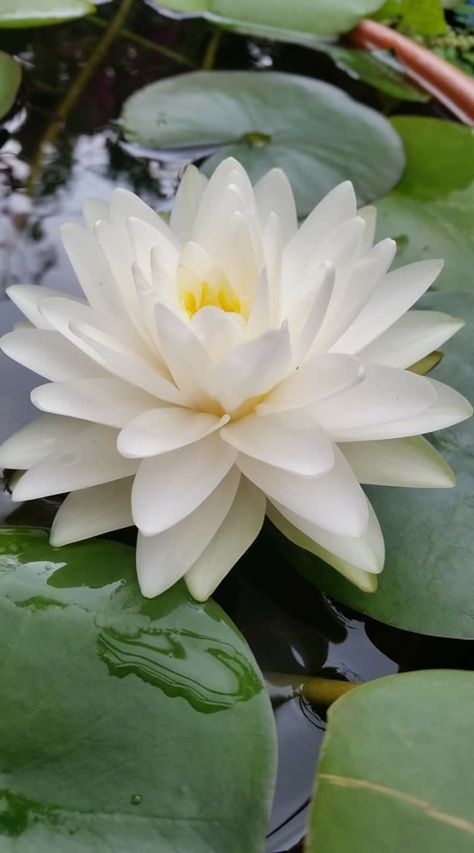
[[313, 131], [278, 17], [10, 79], [37, 13], [127, 724], [431, 211], [395, 771], [427, 584]]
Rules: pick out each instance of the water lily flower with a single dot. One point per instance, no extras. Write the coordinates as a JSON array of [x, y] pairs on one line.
[[228, 365]]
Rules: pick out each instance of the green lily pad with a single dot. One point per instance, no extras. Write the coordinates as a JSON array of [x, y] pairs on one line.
[[312, 130], [39, 13], [395, 772], [127, 724], [427, 584], [377, 68], [431, 211], [278, 18], [10, 79]]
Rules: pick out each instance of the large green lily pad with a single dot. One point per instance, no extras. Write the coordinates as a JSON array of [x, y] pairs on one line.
[[431, 211], [38, 13], [395, 772], [10, 79], [127, 724], [427, 584], [278, 18], [312, 130]]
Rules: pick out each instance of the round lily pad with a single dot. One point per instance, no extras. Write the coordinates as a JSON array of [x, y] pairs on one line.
[[38, 13], [314, 131]]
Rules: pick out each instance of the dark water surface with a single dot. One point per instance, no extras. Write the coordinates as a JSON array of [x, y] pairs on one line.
[[291, 627]]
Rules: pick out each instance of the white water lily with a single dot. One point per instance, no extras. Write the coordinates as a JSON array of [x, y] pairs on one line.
[[225, 366]]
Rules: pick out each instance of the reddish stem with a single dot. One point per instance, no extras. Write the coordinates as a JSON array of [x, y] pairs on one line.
[[448, 84]]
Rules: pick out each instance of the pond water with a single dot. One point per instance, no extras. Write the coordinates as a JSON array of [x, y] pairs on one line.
[[290, 626]]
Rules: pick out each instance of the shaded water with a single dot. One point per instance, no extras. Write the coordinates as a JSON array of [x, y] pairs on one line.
[[289, 625]]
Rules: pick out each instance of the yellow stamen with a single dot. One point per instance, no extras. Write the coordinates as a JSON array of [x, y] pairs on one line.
[[204, 295]]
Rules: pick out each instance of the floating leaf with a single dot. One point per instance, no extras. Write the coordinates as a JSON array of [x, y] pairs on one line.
[[423, 17], [10, 79], [377, 68], [127, 724], [312, 130], [279, 18], [431, 211], [395, 771], [427, 584], [38, 13]]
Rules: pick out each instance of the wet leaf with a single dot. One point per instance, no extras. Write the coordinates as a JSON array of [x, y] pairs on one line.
[[312, 130], [278, 18], [427, 584], [38, 13], [395, 771], [10, 79], [431, 211], [127, 724]]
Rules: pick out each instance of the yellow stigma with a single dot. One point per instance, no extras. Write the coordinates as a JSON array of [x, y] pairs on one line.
[[222, 296]]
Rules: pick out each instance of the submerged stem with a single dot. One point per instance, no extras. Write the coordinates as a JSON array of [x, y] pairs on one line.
[[209, 59], [167, 52]]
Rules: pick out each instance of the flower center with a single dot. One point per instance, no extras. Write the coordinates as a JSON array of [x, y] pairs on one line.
[[221, 296]]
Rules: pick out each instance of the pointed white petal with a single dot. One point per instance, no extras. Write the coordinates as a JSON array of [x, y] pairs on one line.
[[93, 210], [273, 194], [309, 308], [261, 313], [219, 331], [272, 246], [107, 400], [162, 430], [398, 291], [125, 205], [369, 215], [251, 369], [91, 512], [240, 528], [359, 559], [183, 352], [398, 462], [169, 487], [322, 377], [412, 337], [186, 203], [282, 440], [166, 557], [146, 239], [386, 394], [85, 459], [29, 298], [46, 352], [334, 500], [91, 268], [37, 440], [335, 208]]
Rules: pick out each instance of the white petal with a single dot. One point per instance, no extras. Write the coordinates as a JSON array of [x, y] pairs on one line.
[[228, 189], [91, 512], [37, 440], [46, 352], [398, 462], [240, 528], [219, 331], [386, 394], [398, 291], [183, 352], [106, 401], [162, 430], [128, 366], [169, 487], [186, 203], [125, 205], [412, 337], [146, 239], [282, 441], [94, 209], [334, 500], [251, 369], [449, 408], [359, 559], [261, 313], [86, 459], [29, 298], [163, 559], [273, 194], [320, 378], [335, 208], [91, 268], [369, 215], [308, 310], [272, 246]]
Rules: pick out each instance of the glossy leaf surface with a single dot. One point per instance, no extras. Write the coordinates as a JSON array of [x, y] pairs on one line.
[[38, 13], [127, 724]]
